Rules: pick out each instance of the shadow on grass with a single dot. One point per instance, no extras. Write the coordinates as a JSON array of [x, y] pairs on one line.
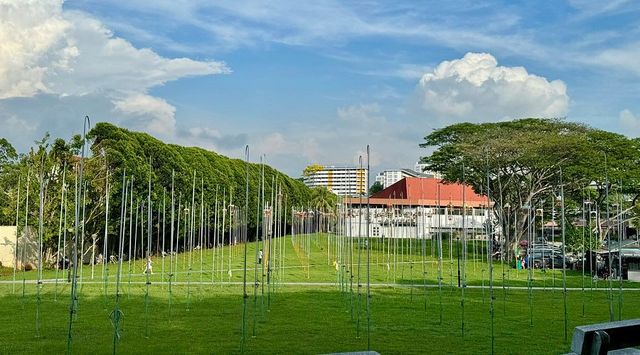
[[300, 320]]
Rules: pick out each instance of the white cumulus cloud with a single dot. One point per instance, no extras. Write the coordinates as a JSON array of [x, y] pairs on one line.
[[44, 49], [32, 44], [630, 123], [475, 88], [148, 113], [68, 64]]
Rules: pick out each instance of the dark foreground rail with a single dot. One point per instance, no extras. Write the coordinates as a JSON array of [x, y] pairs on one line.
[[604, 338]]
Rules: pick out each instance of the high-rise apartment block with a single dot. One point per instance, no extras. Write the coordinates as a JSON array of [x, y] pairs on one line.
[[343, 181]]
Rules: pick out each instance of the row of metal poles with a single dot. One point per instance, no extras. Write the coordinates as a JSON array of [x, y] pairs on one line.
[[193, 227]]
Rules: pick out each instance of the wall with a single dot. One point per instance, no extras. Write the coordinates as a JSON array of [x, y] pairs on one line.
[[7, 245]]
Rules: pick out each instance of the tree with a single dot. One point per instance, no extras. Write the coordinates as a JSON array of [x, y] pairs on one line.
[[146, 157], [376, 187], [8, 154], [8, 182], [324, 202], [112, 151], [521, 163], [322, 199]]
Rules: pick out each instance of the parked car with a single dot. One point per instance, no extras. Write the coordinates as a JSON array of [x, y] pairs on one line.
[[548, 259]]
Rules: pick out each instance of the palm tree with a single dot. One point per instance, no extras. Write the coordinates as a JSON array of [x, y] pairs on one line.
[[323, 201]]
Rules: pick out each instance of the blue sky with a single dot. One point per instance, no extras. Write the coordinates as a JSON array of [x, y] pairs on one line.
[[314, 82]]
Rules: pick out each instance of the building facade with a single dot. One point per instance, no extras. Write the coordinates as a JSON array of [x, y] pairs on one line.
[[390, 177], [342, 181], [418, 207], [419, 167]]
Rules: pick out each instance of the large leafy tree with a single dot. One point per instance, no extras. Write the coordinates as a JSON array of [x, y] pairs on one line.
[[8, 154], [8, 182], [40, 171], [145, 157], [522, 163]]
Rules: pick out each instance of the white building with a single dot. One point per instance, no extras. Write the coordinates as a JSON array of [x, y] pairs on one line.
[[418, 207], [390, 177], [428, 173], [343, 181]]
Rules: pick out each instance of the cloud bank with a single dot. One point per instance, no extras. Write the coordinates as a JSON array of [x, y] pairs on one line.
[[475, 88], [48, 54]]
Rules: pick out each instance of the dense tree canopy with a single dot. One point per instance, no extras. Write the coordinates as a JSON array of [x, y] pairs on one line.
[[521, 163], [114, 151], [134, 151]]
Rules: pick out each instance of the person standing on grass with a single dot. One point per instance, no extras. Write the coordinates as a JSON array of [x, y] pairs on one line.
[[149, 268], [260, 257]]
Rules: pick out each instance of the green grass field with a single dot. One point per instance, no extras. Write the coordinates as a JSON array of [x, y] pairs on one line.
[[308, 308]]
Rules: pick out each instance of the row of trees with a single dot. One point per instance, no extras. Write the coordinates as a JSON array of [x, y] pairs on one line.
[[523, 164], [114, 152]]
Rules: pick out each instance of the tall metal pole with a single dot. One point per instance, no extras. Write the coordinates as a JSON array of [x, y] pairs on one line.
[[608, 236], [621, 230], [564, 261], [74, 285], [26, 225], [257, 261], [40, 241], [490, 256], [171, 233], [15, 257], [369, 258], [116, 315], [105, 245], [164, 227], [462, 284], [584, 249], [148, 252], [359, 253], [244, 277], [55, 295], [439, 254]]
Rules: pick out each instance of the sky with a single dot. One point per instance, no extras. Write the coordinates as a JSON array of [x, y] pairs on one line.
[[314, 82]]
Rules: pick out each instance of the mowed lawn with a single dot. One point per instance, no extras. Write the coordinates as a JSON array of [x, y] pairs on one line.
[[204, 312]]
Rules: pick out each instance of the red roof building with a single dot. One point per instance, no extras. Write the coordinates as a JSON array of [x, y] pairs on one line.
[[415, 191]]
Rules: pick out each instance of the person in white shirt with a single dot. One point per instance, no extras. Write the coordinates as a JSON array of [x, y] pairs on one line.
[[149, 269]]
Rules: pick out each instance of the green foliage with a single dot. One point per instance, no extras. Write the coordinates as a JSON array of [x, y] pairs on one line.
[[8, 181], [144, 157], [578, 240], [8, 154], [322, 199], [523, 161], [43, 168], [376, 187]]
